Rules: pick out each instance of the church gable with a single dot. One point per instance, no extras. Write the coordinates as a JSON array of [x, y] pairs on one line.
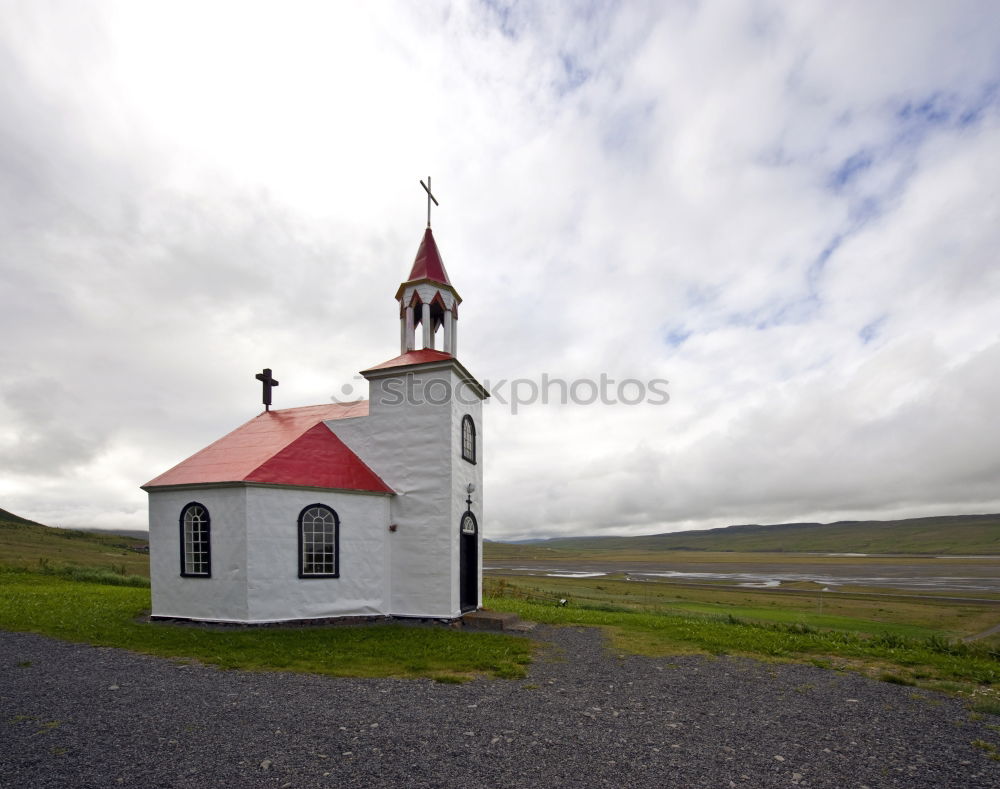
[[241, 453], [319, 459]]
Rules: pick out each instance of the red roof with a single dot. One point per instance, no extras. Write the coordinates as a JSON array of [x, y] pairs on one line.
[[414, 357], [291, 446], [428, 263]]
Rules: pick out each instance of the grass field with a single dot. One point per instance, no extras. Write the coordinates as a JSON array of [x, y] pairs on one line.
[[32, 546], [107, 615], [913, 616]]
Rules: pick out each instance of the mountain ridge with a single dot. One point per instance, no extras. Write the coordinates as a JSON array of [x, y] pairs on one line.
[[945, 534]]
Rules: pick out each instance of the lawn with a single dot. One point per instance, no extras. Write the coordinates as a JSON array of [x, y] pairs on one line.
[[108, 615]]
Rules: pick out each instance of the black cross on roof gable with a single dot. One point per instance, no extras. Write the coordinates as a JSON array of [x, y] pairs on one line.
[[269, 383]]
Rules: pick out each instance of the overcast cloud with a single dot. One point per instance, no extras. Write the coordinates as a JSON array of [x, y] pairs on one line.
[[788, 210]]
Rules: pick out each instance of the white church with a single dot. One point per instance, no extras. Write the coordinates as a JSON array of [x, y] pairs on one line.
[[338, 510]]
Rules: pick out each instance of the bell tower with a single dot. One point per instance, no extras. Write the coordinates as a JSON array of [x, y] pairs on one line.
[[428, 299], [424, 433]]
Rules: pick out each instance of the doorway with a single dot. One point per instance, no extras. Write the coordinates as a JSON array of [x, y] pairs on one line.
[[469, 563]]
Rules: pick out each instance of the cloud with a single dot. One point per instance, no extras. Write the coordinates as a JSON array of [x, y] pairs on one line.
[[786, 211]]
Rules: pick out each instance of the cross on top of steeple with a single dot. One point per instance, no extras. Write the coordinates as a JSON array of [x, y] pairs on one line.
[[430, 197]]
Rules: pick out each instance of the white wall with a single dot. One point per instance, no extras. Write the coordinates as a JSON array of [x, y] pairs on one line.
[[275, 590], [222, 597], [463, 473]]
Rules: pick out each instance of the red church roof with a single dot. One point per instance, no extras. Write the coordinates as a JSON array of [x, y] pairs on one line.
[[290, 446], [426, 356], [413, 357], [428, 263]]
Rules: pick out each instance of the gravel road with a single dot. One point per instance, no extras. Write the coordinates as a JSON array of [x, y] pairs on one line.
[[79, 716]]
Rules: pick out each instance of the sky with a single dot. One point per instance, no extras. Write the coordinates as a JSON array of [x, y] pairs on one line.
[[788, 211]]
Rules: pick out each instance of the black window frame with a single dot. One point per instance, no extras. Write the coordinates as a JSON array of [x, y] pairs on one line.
[[206, 540], [336, 543], [469, 455]]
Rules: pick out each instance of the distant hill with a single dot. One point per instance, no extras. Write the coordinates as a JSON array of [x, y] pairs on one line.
[[135, 534], [951, 534], [24, 543], [10, 517]]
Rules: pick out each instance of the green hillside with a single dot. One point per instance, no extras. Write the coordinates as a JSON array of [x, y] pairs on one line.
[[10, 517], [948, 535], [27, 544]]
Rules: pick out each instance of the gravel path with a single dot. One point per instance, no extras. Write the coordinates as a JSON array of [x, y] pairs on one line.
[[81, 716]]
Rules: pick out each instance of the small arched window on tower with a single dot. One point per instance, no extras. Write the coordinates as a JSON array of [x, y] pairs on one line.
[[196, 554], [319, 542], [468, 439]]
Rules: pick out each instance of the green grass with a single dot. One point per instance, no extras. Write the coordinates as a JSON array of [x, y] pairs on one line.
[[114, 575], [106, 615], [796, 617], [915, 617], [26, 545], [986, 706], [928, 659]]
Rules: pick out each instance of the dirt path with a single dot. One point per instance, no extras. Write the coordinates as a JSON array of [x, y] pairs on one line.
[[985, 634]]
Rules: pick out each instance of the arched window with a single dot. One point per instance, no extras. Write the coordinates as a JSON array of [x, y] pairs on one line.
[[196, 546], [468, 439], [469, 525], [319, 535]]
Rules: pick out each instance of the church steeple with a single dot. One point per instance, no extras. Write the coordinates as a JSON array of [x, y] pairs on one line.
[[428, 299]]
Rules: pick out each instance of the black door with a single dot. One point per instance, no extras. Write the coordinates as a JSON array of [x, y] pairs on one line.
[[469, 559]]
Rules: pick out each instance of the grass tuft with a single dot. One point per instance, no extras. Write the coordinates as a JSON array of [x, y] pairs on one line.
[[895, 679]]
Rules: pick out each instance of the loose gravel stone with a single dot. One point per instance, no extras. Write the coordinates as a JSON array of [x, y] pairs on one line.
[[584, 718]]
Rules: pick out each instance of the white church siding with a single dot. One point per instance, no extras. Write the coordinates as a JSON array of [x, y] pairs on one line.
[[221, 597], [277, 593], [415, 468], [464, 473]]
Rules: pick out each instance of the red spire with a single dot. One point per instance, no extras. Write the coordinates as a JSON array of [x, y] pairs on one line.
[[428, 263]]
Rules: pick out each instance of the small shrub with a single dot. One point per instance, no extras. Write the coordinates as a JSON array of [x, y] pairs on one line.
[[987, 706], [802, 628], [895, 679], [890, 641]]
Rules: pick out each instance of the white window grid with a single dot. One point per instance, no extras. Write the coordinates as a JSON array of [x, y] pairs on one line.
[[196, 541], [318, 542], [468, 525]]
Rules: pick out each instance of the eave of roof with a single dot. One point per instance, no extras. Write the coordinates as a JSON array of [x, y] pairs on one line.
[[425, 358], [410, 358]]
